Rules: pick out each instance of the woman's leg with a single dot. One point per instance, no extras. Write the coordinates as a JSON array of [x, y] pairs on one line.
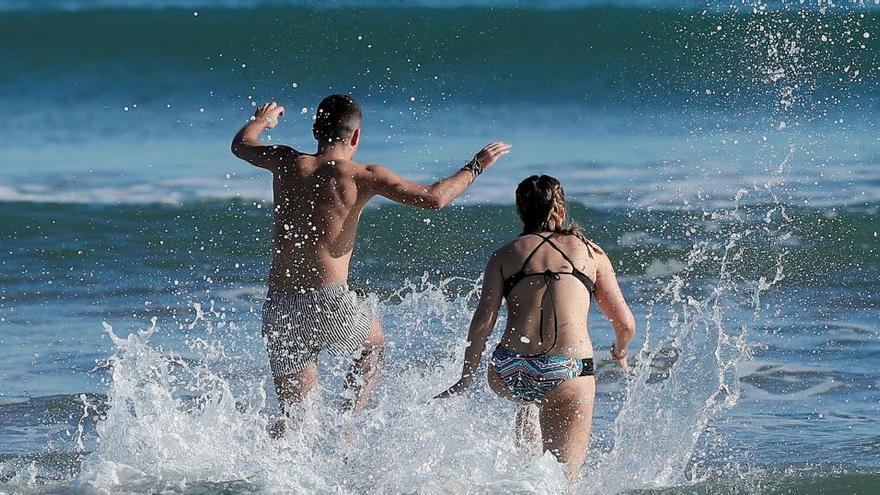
[[566, 419], [527, 435], [527, 431]]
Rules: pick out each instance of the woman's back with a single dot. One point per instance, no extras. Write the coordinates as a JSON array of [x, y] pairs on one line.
[[549, 278]]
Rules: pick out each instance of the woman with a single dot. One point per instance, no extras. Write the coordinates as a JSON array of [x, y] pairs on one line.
[[547, 275]]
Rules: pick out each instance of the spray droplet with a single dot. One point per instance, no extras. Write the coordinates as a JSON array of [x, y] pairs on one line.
[[524, 339]]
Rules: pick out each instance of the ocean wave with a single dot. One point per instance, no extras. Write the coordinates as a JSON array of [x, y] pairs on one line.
[[76, 5], [665, 58], [646, 188], [232, 235], [173, 192]]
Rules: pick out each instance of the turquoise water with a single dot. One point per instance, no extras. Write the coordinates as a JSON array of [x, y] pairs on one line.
[[725, 156]]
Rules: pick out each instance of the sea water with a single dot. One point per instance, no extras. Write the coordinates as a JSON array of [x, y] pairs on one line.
[[724, 154]]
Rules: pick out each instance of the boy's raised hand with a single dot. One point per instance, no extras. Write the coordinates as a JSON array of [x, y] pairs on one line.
[[268, 114]]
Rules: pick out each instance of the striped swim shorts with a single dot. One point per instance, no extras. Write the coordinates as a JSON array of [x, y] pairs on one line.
[[299, 325]]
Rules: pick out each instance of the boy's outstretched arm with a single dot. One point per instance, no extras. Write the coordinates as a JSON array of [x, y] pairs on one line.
[[384, 182], [247, 145]]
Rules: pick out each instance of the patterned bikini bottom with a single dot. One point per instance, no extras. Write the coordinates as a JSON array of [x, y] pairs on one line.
[[529, 378]]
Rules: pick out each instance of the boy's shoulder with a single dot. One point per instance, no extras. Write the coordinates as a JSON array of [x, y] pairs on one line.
[[358, 170]]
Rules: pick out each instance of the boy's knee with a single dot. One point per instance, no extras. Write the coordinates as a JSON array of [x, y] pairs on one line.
[[375, 345], [376, 339]]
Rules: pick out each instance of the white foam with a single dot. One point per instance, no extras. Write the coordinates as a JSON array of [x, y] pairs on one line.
[[153, 436], [174, 422], [663, 268], [175, 191]]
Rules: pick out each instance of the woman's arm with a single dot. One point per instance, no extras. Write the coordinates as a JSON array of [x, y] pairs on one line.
[[481, 327], [610, 299]]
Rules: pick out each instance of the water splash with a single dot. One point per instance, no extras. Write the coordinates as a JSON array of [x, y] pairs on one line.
[[688, 369], [178, 422], [175, 422]]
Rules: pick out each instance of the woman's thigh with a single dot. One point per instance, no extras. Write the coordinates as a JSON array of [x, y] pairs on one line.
[[567, 416], [497, 384]]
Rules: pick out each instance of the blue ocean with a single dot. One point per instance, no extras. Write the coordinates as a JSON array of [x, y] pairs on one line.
[[725, 154]]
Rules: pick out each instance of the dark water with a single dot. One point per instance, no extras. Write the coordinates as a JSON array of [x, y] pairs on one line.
[[725, 156]]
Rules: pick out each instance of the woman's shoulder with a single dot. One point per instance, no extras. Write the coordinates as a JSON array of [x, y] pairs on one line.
[[508, 249], [511, 253], [593, 246], [577, 240]]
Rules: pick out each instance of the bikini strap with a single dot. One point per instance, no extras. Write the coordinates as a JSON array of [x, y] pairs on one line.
[[565, 256], [588, 367], [586, 280], [591, 246], [549, 276], [544, 240]]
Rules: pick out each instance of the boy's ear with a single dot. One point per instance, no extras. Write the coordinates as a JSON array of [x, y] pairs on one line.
[[355, 137]]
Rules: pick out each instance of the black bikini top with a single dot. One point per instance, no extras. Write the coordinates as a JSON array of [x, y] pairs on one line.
[[517, 277], [549, 275]]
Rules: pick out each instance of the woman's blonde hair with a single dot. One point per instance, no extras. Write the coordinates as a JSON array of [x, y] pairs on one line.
[[540, 202]]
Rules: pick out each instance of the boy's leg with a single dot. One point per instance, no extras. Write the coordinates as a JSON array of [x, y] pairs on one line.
[[365, 371], [292, 390]]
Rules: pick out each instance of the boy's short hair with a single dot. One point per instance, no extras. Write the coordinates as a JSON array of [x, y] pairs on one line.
[[336, 119]]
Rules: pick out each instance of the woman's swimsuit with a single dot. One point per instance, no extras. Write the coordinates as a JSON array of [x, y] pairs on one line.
[[529, 377]]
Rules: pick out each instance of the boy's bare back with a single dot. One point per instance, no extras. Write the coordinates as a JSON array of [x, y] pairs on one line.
[[318, 203]]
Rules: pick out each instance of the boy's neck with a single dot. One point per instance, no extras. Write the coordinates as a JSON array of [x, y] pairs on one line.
[[340, 152]]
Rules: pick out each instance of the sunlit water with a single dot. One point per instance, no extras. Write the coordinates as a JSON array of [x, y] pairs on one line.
[[726, 158]]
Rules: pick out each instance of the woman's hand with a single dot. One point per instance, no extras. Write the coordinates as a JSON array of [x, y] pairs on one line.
[[620, 356], [459, 387], [624, 366]]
